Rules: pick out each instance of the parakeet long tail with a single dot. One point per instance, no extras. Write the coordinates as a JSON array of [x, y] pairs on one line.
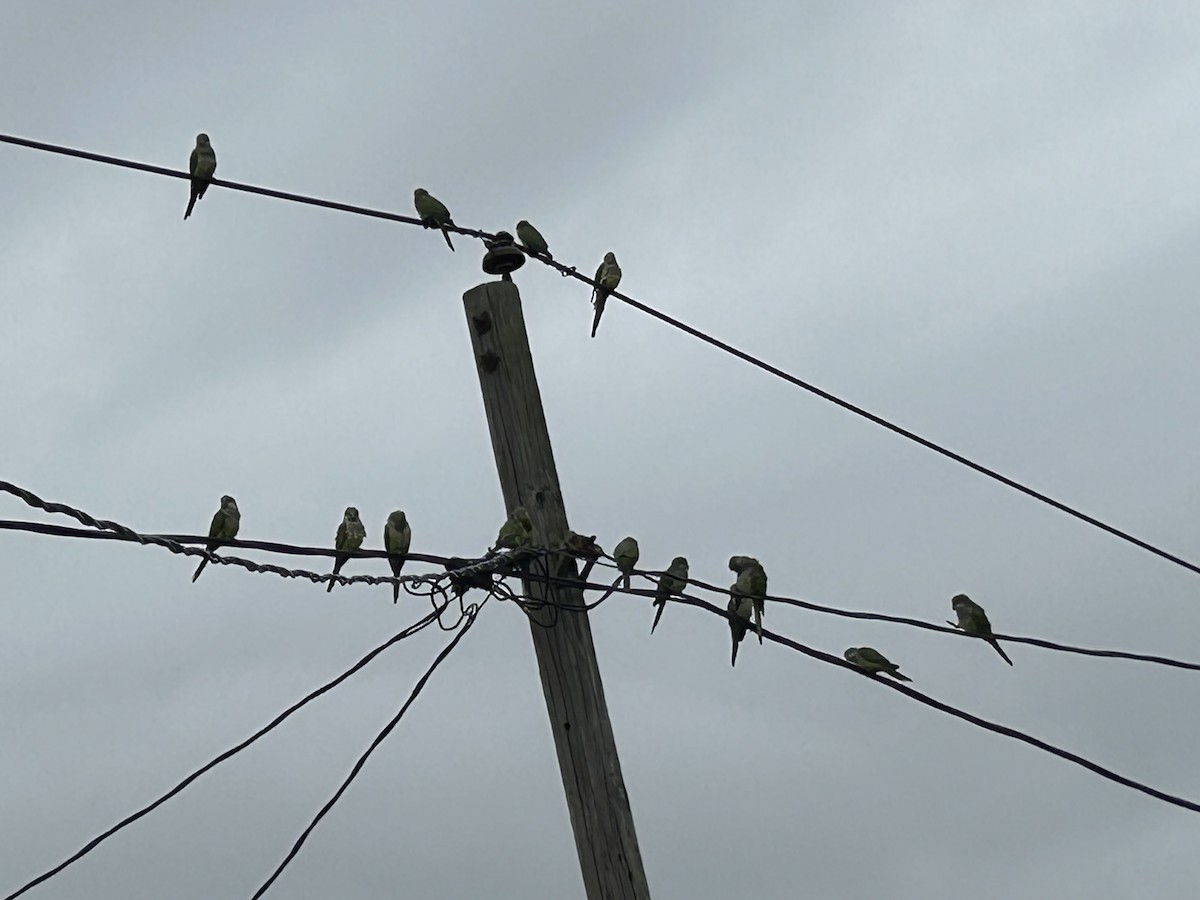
[[599, 304], [733, 658], [212, 545], [337, 567], [661, 604], [1000, 650], [191, 202], [446, 235], [397, 566], [899, 677]]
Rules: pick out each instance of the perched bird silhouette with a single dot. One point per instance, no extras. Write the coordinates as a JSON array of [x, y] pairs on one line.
[[626, 554], [871, 661], [751, 582], [201, 165], [397, 538], [973, 620], [224, 527], [516, 532], [608, 276], [670, 583], [742, 607], [532, 239], [350, 535], [433, 213]]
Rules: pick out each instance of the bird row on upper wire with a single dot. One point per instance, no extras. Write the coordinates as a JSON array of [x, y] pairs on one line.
[[433, 214], [747, 600]]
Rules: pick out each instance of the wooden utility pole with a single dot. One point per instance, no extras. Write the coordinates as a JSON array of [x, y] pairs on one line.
[[587, 753]]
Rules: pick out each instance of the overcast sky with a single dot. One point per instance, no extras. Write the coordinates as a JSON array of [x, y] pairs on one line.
[[979, 220]]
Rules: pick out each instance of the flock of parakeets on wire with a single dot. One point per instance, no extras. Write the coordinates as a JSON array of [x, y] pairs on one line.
[[747, 595], [433, 214]]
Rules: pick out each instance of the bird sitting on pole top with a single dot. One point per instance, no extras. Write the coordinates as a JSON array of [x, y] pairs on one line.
[[503, 255]]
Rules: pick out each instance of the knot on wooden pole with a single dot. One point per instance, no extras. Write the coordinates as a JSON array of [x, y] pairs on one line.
[[489, 361], [482, 323]]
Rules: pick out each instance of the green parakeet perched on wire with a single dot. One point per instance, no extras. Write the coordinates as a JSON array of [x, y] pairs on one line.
[[608, 276], [626, 554], [871, 661], [201, 166], [516, 532], [973, 620], [397, 538], [532, 239], [751, 582], [350, 535], [432, 213], [224, 527], [742, 607], [670, 583]]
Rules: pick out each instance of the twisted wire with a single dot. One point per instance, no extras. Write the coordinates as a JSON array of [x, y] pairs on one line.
[[176, 544], [504, 564]]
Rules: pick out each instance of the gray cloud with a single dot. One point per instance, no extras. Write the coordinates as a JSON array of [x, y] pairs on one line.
[[978, 224]]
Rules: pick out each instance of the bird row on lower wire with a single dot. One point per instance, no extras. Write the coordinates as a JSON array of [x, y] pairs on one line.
[[397, 538], [747, 595], [202, 166], [516, 533], [971, 619]]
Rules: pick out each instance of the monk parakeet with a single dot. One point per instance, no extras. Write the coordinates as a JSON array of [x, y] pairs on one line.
[[397, 538], [973, 620], [584, 547], [742, 607], [516, 532], [433, 213], [672, 582], [532, 239], [460, 584], [202, 165], [224, 527], [752, 583], [626, 556], [350, 535], [608, 276], [871, 660]]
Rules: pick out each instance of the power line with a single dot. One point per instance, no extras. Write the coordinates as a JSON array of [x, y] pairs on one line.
[[123, 532], [947, 629], [996, 728], [572, 272], [903, 432], [47, 528], [1096, 768], [649, 593], [232, 185], [504, 568], [472, 614], [238, 748], [269, 546]]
